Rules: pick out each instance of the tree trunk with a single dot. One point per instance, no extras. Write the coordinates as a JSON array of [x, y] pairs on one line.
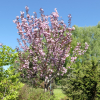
[[47, 85]]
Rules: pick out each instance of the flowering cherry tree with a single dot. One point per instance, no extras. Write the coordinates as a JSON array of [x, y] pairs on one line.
[[48, 57]]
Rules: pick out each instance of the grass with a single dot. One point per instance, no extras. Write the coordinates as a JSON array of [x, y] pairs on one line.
[[58, 94], [27, 93]]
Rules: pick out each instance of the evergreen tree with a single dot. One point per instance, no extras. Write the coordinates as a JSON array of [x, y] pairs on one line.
[[86, 83]]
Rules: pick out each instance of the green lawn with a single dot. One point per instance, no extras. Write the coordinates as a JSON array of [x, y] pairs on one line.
[[58, 94]]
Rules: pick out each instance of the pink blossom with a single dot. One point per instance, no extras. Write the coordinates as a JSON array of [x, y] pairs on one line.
[[55, 14], [73, 58], [69, 16], [57, 73], [56, 44], [0, 44], [21, 12], [34, 68], [69, 67], [24, 20], [17, 17], [26, 62], [27, 8], [24, 66], [15, 21], [28, 15], [73, 28], [31, 51], [61, 74]]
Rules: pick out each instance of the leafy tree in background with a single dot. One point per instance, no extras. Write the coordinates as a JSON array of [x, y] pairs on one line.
[[98, 26], [9, 85], [7, 57], [91, 35], [87, 80]]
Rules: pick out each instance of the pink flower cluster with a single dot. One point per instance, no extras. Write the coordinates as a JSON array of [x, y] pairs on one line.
[[57, 47]]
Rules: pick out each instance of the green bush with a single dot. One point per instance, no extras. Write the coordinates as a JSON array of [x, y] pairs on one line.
[[9, 84], [86, 85]]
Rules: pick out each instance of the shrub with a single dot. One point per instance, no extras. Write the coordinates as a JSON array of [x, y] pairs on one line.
[[86, 84]]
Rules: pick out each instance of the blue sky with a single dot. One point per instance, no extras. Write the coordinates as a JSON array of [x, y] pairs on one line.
[[83, 12]]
